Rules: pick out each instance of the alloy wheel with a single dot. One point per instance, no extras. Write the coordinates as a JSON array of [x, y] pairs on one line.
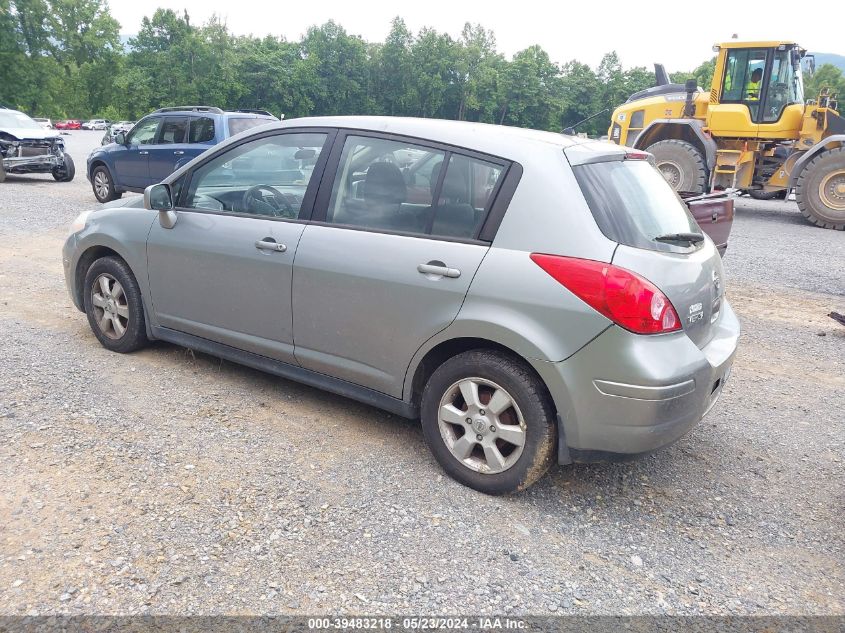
[[111, 311], [481, 425], [101, 184]]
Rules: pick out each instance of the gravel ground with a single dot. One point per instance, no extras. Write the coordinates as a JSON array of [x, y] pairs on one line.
[[167, 482]]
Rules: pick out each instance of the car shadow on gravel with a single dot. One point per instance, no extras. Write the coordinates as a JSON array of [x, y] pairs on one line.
[[583, 484], [29, 179]]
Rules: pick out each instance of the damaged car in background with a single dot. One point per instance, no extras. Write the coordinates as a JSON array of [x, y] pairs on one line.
[[27, 148]]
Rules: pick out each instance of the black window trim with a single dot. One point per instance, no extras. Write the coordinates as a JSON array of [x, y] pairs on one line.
[[499, 201], [307, 207]]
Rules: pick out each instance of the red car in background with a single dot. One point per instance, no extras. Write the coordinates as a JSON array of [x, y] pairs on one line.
[[70, 124]]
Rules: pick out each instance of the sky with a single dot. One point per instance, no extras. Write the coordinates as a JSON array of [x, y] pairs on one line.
[[680, 38]]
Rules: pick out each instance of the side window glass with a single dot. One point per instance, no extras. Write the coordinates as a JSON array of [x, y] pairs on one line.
[[384, 184], [744, 75], [266, 177], [465, 197], [201, 130], [144, 133], [172, 130]]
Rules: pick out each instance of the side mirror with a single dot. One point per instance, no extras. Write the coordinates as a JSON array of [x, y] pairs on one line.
[[120, 138], [691, 85], [158, 198], [305, 154]]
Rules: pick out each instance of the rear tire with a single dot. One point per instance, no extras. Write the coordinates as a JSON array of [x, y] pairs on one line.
[[820, 191], [103, 185], [681, 164], [66, 171], [2, 171], [511, 439], [113, 304]]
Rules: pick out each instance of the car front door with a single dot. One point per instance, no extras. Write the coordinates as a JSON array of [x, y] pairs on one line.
[[376, 275], [168, 147], [131, 161], [223, 272]]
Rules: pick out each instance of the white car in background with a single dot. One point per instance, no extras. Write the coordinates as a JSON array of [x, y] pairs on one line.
[[47, 124], [96, 124]]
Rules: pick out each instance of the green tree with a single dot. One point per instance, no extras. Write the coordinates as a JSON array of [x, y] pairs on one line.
[[433, 58]]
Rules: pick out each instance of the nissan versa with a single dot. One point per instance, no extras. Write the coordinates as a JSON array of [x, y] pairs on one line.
[[530, 296]]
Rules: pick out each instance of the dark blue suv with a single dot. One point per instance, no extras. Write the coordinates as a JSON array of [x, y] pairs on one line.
[[162, 142]]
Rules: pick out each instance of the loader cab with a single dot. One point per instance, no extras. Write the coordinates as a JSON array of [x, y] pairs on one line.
[[757, 91]]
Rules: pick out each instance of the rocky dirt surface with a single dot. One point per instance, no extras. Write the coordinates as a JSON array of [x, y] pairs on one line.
[[166, 482]]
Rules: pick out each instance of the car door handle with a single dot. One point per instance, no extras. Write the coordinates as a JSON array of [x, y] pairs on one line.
[[178, 152], [436, 269], [143, 152], [267, 245]]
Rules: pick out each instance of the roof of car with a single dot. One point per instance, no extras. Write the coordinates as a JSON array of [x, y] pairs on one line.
[[498, 140]]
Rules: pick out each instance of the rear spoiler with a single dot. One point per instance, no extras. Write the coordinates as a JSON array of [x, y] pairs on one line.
[[602, 152]]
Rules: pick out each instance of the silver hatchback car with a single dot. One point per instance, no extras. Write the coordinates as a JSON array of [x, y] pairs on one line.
[[532, 298]]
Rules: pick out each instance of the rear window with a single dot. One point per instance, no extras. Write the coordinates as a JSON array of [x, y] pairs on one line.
[[240, 124], [632, 203]]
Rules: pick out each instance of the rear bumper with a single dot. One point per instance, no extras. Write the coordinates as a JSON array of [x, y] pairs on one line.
[[624, 393]]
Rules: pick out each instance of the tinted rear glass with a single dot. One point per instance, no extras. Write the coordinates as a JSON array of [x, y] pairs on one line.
[[632, 203], [240, 124]]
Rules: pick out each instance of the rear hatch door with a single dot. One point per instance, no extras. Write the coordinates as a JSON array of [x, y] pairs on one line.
[[657, 236]]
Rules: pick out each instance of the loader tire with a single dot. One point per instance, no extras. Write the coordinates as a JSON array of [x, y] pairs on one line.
[[759, 194], [681, 164], [820, 191]]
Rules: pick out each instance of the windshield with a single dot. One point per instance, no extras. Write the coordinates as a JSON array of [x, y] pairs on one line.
[[633, 204], [240, 124], [10, 118]]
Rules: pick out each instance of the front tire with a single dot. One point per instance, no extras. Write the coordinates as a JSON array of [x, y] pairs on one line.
[[66, 171], [820, 191], [681, 164], [103, 185], [489, 421], [113, 304]]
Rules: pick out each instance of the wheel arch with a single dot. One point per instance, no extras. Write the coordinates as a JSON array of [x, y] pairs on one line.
[[88, 257], [431, 356], [831, 142], [97, 162], [689, 130]]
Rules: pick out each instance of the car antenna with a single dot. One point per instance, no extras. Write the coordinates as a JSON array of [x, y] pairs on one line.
[[570, 131]]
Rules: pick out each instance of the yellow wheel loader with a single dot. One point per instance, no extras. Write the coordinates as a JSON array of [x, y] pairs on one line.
[[752, 131]]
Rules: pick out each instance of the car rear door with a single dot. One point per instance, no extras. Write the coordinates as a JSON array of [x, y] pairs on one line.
[[131, 161], [168, 148], [376, 275]]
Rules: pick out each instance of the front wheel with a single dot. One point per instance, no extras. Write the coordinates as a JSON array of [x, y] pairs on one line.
[[114, 307], [820, 191], [103, 185], [489, 421], [66, 171]]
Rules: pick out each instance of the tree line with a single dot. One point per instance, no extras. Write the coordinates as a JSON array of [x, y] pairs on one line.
[[63, 58]]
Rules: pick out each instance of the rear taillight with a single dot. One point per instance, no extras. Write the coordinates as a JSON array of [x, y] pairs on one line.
[[622, 296]]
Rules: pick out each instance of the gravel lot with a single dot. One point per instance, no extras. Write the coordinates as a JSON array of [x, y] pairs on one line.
[[168, 482]]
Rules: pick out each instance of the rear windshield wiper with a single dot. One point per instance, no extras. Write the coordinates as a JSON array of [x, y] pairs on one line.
[[692, 238]]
